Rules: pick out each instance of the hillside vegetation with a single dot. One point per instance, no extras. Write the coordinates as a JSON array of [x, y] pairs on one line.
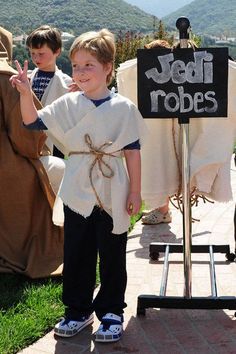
[[214, 17], [74, 16]]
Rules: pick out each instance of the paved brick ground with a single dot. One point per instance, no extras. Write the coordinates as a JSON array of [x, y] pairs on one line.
[[169, 330]]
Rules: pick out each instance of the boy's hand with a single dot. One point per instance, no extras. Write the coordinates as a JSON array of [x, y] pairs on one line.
[[133, 203], [20, 80], [73, 87]]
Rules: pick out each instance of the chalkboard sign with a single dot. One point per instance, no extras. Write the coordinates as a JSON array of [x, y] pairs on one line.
[[182, 82]]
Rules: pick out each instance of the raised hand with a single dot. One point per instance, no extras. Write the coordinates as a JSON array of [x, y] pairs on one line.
[[22, 84], [73, 87], [20, 80]]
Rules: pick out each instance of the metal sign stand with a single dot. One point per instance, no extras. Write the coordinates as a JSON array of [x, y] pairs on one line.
[[187, 301]]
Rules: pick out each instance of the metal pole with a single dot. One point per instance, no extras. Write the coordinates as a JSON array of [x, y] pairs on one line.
[[212, 272], [183, 26], [165, 272]]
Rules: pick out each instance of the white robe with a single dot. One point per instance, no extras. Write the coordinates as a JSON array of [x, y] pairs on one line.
[[57, 87], [118, 121], [54, 166], [211, 142]]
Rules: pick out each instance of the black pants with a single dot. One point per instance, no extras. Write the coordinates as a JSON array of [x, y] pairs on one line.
[[85, 239]]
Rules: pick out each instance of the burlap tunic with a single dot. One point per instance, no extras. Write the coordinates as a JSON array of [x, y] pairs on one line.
[[30, 244]]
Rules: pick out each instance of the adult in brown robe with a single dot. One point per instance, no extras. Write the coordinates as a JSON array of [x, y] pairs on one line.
[[30, 244]]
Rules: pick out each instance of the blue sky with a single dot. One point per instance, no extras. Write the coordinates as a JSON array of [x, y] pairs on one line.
[[159, 8]]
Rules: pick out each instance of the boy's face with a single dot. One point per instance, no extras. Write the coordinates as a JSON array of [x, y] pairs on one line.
[[89, 74], [44, 58]]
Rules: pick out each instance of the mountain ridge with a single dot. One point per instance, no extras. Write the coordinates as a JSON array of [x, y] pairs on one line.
[[210, 17], [83, 15], [217, 17]]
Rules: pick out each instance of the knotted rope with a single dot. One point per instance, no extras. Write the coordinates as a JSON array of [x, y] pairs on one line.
[[177, 199], [98, 154]]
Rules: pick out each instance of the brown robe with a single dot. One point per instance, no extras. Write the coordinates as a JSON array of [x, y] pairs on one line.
[[30, 244]]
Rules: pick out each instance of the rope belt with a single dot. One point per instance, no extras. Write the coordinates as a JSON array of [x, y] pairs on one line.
[[177, 199], [98, 154]]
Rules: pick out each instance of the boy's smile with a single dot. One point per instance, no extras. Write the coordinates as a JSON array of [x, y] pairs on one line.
[[90, 75]]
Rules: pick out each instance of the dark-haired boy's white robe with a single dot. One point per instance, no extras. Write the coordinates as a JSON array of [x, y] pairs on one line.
[[118, 120], [58, 86]]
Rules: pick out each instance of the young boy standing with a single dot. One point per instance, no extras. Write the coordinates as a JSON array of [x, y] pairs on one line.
[[47, 81], [97, 127]]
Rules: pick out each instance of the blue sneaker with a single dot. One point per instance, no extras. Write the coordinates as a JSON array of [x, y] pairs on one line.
[[110, 329], [69, 328]]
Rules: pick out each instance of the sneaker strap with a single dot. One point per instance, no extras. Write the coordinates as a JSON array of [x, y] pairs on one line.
[[111, 318]]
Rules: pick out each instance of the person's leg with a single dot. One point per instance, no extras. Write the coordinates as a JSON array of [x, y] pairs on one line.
[[55, 168], [112, 266], [109, 303], [79, 274], [164, 208], [157, 216], [79, 271]]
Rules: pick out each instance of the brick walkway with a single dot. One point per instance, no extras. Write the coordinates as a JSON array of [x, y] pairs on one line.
[[169, 330]]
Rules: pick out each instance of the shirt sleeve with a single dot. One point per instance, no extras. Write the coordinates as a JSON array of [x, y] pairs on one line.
[[36, 125], [133, 146]]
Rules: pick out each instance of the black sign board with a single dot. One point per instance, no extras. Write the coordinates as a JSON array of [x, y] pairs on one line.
[[182, 82]]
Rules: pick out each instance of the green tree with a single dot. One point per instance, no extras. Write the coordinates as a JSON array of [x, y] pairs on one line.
[[161, 33], [20, 53], [126, 46], [63, 62]]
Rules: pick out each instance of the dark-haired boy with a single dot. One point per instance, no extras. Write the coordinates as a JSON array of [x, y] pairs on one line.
[[48, 82]]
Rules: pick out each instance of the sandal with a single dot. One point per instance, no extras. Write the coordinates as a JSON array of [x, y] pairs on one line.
[[156, 217], [146, 212], [110, 329], [69, 328]]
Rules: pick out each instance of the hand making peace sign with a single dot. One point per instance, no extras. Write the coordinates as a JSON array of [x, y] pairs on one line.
[[20, 80], [22, 84]]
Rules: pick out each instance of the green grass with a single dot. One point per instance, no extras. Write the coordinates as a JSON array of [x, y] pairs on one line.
[[29, 308]]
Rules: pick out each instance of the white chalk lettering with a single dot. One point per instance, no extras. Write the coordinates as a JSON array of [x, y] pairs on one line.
[[165, 75], [213, 100], [198, 98], [178, 73], [198, 71], [154, 99], [171, 96], [185, 98], [183, 102]]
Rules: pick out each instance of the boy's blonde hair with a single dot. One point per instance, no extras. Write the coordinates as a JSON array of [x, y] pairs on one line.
[[100, 44]]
